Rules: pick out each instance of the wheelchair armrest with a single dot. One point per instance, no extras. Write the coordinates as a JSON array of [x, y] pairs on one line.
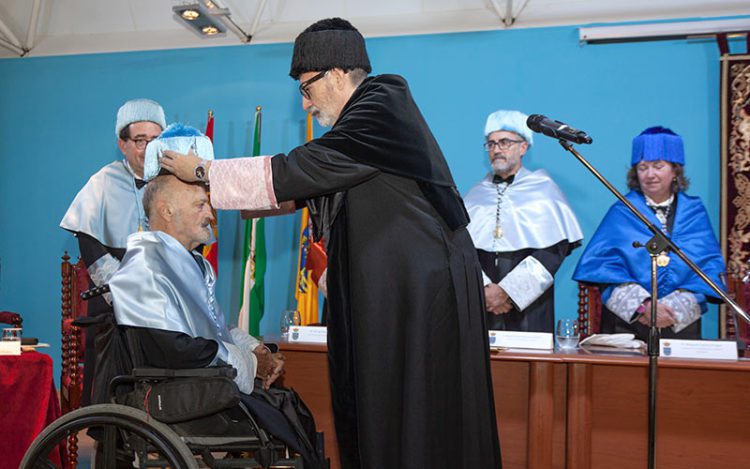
[[208, 372], [274, 348], [156, 374]]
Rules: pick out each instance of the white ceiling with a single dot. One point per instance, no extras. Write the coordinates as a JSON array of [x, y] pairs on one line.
[[91, 26]]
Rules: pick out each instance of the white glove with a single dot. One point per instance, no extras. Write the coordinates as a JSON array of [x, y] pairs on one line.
[[614, 340]]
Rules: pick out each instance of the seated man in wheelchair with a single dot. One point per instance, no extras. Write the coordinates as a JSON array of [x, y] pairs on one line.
[[164, 299]]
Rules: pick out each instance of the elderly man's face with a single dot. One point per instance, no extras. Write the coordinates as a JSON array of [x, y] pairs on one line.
[[505, 152], [191, 224], [134, 147], [321, 99]]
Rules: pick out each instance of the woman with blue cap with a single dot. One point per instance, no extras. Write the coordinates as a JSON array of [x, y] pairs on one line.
[[657, 184]]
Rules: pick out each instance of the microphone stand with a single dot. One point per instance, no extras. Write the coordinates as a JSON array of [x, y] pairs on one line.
[[656, 245]]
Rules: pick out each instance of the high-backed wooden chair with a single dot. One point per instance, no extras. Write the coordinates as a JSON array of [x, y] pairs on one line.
[[589, 309], [75, 279], [736, 328]]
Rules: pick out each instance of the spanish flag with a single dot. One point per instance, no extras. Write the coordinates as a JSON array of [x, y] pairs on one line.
[[211, 251], [306, 291]]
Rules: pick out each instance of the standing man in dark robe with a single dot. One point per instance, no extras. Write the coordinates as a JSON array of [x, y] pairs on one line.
[[522, 227], [407, 344], [102, 216]]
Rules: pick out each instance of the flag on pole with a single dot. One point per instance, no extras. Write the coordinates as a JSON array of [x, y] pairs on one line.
[[254, 262], [306, 290], [211, 251]]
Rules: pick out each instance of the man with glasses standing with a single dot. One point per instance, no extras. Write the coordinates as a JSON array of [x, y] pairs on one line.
[[522, 227], [103, 214], [407, 345]]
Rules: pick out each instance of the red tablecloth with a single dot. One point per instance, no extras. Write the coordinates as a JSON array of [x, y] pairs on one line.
[[28, 403]]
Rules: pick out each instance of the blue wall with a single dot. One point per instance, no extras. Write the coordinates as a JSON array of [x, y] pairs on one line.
[[57, 118]]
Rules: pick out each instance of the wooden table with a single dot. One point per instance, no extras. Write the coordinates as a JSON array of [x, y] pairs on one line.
[[587, 410]]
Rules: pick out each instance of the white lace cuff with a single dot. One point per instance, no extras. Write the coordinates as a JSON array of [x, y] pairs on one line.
[[685, 306], [242, 183], [245, 362], [625, 299], [526, 282], [102, 270], [244, 340]]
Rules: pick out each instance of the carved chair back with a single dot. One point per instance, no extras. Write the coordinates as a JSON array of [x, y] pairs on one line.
[[589, 309], [75, 280]]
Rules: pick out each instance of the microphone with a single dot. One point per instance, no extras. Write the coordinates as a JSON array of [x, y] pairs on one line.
[[556, 129]]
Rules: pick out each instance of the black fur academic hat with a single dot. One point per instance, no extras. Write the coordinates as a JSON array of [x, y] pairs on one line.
[[326, 44]]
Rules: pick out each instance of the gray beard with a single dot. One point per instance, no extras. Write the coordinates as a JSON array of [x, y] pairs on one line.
[[323, 118], [500, 166]]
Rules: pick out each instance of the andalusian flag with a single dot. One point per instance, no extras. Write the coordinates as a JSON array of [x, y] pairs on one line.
[[307, 290], [254, 262], [211, 251]]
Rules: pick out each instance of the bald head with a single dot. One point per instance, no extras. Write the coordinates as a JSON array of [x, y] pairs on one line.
[[180, 209]]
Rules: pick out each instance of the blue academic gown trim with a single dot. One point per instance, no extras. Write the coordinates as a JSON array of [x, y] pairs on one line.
[[610, 257]]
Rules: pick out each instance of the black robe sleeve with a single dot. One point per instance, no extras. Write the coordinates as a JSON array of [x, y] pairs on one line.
[[169, 349], [92, 250], [552, 257], [313, 170]]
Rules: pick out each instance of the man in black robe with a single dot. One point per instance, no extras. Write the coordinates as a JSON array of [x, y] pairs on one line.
[[407, 344]]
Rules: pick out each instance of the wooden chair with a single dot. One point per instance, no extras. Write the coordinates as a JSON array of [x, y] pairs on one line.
[[737, 328], [75, 279], [589, 309]]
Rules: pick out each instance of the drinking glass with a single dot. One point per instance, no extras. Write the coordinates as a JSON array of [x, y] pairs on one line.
[[567, 333], [289, 319], [12, 333]]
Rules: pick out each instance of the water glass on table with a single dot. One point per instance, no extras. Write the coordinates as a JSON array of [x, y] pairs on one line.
[[567, 333], [12, 334], [289, 319]]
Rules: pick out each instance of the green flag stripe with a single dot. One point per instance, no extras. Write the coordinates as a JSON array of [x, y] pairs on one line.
[[257, 293]]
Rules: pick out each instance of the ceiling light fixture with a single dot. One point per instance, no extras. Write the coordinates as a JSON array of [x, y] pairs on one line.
[[207, 19], [209, 30], [190, 15], [200, 19]]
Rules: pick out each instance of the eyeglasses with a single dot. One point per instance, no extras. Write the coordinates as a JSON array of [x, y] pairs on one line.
[[502, 144], [305, 85], [141, 142]]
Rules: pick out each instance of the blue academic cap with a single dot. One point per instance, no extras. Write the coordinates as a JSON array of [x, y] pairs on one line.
[[511, 121], [658, 143], [177, 137]]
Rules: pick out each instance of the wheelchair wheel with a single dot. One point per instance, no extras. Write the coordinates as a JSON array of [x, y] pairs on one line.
[[123, 432]]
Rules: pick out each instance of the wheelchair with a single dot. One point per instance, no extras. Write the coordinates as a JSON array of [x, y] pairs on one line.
[[154, 419]]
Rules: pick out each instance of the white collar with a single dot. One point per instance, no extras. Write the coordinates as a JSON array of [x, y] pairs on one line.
[[664, 204]]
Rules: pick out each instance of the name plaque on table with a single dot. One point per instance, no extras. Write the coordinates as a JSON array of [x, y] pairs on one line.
[[10, 347], [313, 334], [517, 339], [708, 349]]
